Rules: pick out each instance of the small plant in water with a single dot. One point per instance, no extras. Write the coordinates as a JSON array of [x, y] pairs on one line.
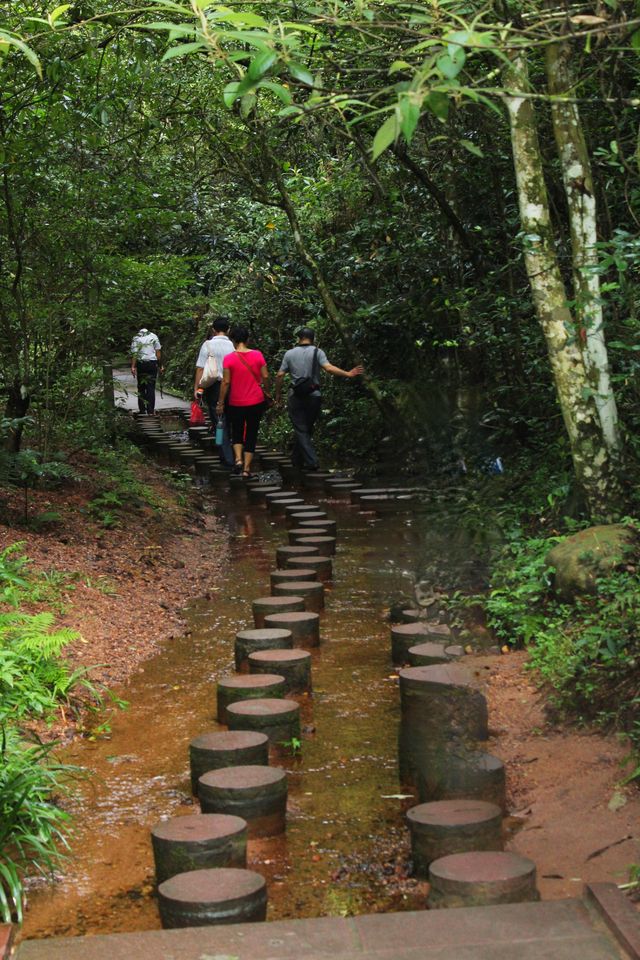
[[294, 746]]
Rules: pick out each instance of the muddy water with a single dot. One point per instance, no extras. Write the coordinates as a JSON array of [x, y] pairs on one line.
[[345, 839]]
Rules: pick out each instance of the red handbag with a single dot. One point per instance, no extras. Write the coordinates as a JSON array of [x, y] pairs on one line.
[[197, 415]]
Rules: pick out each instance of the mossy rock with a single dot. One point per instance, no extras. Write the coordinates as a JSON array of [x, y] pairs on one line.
[[595, 552]]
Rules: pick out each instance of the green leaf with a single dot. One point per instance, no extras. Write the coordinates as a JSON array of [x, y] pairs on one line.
[[244, 19], [290, 111], [450, 66], [281, 92], [399, 65], [635, 41], [409, 116], [8, 38], [261, 63], [300, 73], [183, 49], [385, 136], [230, 93], [472, 148], [438, 103], [247, 103], [57, 13]]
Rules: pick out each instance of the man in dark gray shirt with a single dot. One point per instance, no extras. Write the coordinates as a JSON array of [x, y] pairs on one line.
[[303, 364]]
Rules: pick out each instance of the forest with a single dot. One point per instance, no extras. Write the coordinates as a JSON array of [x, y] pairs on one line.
[[447, 192]]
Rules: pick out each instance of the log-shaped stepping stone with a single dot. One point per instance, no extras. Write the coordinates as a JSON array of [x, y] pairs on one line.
[[257, 794], [279, 719], [296, 553], [243, 687], [237, 485], [197, 842], [278, 507], [406, 635], [248, 641], [304, 627], [296, 517], [202, 898], [427, 654], [294, 665], [305, 508], [300, 534], [342, 490], [276, 604], [315, 479], [311, 592], [455, 651], [454, 774], [195, 432], [326, 545], [452, 826], [410, 615], [301, 574], [323, 566], [328, 527], [259, 491], [481, 879], [401, 503], [441, 702], [227, 748], [282, 494]]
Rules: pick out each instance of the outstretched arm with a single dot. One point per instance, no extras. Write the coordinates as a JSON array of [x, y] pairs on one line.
[[279, 385], [338, 372]]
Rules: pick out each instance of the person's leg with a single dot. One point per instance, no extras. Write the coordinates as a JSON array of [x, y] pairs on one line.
[[151, 391], [253, 416], [299, 414], [236, 415], [142, 387], [210, 396]]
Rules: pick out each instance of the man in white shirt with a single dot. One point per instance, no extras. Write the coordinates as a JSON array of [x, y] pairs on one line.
[[145, 361], [218, 346]]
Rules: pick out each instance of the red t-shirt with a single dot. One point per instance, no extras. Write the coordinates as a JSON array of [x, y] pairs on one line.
[[245, 389]]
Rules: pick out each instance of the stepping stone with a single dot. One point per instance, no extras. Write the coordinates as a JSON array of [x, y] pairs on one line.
[[296, 553], [391, 504], [298, 516], [323, 566], [343, 490], [278, 719], [243, 688], [229, 748], [315, 480], [275, 604], [257, 794], [301, 574], [427, 654], [312, 593], [305, 508], [197, 842], [258, 492], [294, 665], [304, 627], [454, 774], [328, 527], [410, 615], [202, 898], [248, 641], [299, 534], [452, 826], [406, 635], [282, 494], [455, 651], [278, 507], [326, 545], [480, 879]]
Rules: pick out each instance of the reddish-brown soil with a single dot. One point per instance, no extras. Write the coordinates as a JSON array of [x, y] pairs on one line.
[[128, 584]]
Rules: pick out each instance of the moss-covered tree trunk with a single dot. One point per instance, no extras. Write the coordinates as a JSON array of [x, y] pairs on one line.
[[592, 459], [578, 184]]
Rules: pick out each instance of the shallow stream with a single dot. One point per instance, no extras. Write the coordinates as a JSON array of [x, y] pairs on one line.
[[346, 843]]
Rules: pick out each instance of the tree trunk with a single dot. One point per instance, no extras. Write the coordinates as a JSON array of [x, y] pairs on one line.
[[578, 184], [17, 406], [590, 452]]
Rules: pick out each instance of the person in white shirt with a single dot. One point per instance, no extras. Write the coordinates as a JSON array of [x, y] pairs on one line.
[[218, 345], [145, 362]]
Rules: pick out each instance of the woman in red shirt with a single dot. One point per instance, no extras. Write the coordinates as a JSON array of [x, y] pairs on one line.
[[244, 380]]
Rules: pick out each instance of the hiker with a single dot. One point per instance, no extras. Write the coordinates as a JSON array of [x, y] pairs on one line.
[[303, 364], [218, 346], [245, 383], [145, 362]]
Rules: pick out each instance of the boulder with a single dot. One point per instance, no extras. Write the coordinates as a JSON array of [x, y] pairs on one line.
[[582, 558]]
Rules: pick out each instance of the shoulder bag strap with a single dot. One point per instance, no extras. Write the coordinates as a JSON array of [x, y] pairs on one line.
[[244, 363], [315, 368]]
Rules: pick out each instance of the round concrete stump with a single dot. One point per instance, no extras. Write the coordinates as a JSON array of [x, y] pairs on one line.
[[294, 665], [305, 508], [300, 534], [440, 703], [278, 719], [315, 480], [197, 842], [296, 553], [452, 826], [257, 794], [258, 492], [326, 545], [246, 687], [406, 635], [301, 574], [311, 592], [410, 615], [299, 516], [228, 748], [427, 654], [202, 898], [248, 641], [323, 566], [277, 507], [481, 879], [470, 774], [263, 606], [304, 627], [326, 527]]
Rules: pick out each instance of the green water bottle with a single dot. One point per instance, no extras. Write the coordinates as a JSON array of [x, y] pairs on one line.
[[219, 432]]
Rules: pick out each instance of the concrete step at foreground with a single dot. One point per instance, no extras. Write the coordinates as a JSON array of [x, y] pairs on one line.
[[551, 930]]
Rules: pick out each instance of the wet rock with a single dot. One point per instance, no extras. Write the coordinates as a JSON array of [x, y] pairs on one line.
[[580, 559]]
